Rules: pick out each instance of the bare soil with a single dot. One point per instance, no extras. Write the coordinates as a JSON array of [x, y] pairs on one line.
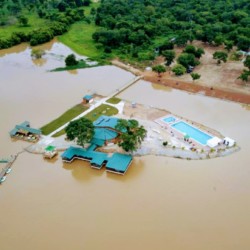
[[216, 80]]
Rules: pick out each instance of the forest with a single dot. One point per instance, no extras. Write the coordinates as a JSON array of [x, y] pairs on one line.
[[136, 29], [58, 16], [139, 27]]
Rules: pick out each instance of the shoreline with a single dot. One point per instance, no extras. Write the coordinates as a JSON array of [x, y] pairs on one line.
[[186, 86]]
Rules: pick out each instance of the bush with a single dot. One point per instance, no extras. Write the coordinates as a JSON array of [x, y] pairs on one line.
[[71, 60], [179, 70], [165, 143]]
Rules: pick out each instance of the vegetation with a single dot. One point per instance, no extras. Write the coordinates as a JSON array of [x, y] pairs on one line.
[[37, 53], [169, 56], [179, 70], [159, 69], [81, 130], [220, 56], [103, 109], [195, 76], [70, 60], [136, 27], [114, 100], [132, 134], [64, 118], [57, 17], [81, 64], [187, 60], [244, 75]]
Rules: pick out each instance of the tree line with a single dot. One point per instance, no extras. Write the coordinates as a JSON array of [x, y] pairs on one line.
[[59, 15], [134, 26]]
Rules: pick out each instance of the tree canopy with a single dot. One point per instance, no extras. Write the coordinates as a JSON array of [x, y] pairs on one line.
[[81, 130], [220, 56], [132, 134], [70, 60], [147, 24]]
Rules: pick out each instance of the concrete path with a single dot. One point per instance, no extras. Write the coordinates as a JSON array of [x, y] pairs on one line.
[[119, 106]]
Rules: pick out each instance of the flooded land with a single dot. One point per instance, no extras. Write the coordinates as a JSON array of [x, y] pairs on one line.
[[161, 202]]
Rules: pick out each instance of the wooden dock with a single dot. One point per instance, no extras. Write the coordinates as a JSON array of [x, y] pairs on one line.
[[8, 165]]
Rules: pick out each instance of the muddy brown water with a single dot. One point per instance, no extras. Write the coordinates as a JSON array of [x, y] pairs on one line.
[[161, 203]]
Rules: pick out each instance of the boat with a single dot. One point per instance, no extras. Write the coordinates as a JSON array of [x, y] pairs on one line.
[[2, 179], [8, 170]]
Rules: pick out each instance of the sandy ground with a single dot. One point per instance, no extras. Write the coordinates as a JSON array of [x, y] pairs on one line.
[[216, 80]]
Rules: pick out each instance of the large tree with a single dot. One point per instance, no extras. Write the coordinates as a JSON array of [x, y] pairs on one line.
[[247, 62], [159, 69], [132, 134], [187, 60], [70, 60], [82, 130], [179, 70], [220, 56], [169, 56]]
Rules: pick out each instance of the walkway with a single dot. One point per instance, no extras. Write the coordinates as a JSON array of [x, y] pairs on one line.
[[102, 101]]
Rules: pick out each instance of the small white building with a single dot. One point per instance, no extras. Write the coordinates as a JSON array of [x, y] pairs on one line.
[[228, 141], [213, 142]]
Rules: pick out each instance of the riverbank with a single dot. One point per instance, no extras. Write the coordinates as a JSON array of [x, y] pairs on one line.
[[192, 87]]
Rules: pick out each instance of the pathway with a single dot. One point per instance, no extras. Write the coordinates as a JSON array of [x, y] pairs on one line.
[[102, 101]]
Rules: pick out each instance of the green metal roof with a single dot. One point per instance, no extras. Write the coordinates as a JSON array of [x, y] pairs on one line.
[[106, 121], [50, 148], [104, 134], [117, 162], [25, 126], [88, 97]]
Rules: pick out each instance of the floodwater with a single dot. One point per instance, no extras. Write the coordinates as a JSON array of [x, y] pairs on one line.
[[161, 203]]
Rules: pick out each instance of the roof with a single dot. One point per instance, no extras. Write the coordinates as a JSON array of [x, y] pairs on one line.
[[116, 162], [106, 121], [26, 127], [119, 162], [50, 148], [213, 142], [230, 141], [88, 97], [104, 134]]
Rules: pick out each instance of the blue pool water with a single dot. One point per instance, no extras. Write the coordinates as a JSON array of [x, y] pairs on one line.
[[169, 119], [193, 132]]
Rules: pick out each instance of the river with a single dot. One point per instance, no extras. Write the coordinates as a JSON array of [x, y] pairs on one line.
[[161, 203]]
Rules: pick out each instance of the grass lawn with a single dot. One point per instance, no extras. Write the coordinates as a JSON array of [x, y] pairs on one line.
[[103, 109], [79, 39], [64, 118], [34, 23], [114, 100]]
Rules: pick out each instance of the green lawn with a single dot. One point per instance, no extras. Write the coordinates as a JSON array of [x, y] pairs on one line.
[[34, 22], [103, 109], [64, 118], [114, 100], [79, 39]]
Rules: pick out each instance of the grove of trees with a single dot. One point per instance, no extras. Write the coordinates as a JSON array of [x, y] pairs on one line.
[[134, 26], [132, 134], [58, 13]]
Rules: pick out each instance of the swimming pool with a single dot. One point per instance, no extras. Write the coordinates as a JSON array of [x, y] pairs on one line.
[[193, 132], [169, 119]]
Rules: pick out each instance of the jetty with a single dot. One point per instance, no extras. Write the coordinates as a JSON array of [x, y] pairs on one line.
[[7, 168], [103, 101]]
